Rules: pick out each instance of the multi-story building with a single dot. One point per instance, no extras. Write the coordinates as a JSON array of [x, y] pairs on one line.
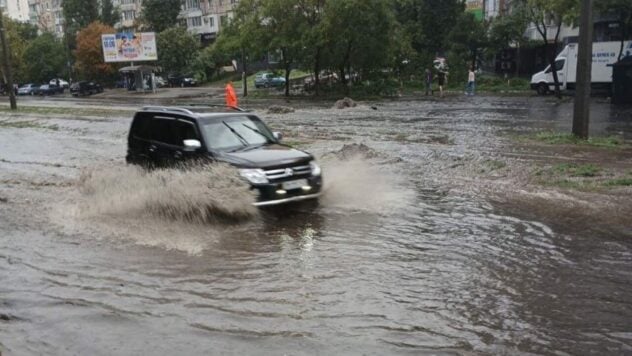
[[130, 10], [47, 15], [206, 17], [16, 9]]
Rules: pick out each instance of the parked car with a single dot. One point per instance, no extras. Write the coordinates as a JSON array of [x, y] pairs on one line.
[[176, 80], [160, 82], [28, 89], [59, 82], [85, 88], [50, 89], [167, 137], [267, 80]]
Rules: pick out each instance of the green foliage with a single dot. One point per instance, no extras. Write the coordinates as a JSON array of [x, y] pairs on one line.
[[17, 35], [26, 31], [159, 15], [570, 139], [79, 13], [44, 58], [495, 83], [507, 29], [177, 49], [575, 170], [619, 182], [428, 23], [109, 14], [466, 39]]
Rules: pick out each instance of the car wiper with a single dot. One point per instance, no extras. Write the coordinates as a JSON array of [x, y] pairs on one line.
[[259, 132], [241, 138]]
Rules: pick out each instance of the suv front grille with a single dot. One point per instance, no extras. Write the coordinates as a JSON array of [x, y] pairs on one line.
[[281, 173]]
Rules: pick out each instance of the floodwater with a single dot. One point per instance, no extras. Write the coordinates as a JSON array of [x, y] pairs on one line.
[[403, 255]]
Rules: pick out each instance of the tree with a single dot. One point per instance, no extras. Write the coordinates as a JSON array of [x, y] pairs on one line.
[[508, 30], [244, 36], [17, 36], [428, 23], [109, 14], [44, 58], [159, 15], [359, 35], [284, 26], [176, 49], [89, 53], [544, 13], [622, 10], [79, 13], [466, 40]]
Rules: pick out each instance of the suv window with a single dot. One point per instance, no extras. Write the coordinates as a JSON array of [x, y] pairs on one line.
[[168, 130], [184, 130], [141, 127], [161, 130]]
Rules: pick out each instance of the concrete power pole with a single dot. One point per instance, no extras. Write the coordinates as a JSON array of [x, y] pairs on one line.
[[7, 64], [581, 115]]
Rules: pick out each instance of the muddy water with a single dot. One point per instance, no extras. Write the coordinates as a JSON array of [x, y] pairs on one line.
[[402, 255]]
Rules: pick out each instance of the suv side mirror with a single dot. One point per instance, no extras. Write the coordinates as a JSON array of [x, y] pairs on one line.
[[191, 145], [277, 136]]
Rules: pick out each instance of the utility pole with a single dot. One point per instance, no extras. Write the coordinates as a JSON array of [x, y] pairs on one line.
[[7, 64], [581, 114]]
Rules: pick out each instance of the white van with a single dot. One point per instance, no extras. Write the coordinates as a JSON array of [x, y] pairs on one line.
[[604, 54]]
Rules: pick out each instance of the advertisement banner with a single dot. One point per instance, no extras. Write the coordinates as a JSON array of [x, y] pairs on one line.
[[475, 7], [129, 47]]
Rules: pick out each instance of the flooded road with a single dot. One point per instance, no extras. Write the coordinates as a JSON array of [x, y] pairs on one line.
[[407, 252]]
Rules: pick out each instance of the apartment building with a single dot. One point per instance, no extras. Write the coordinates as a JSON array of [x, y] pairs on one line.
[[206, 17], [130, 10], [16, 9], [47, 15]]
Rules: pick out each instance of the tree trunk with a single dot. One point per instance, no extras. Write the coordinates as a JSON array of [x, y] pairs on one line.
[[556, 80], [288, 69]]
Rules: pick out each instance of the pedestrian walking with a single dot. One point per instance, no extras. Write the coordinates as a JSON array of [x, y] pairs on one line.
[[471, 82], [428, 77], [441, 81], [231, 97]]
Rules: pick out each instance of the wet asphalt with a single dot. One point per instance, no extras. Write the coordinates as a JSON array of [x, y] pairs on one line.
[[408, 252]]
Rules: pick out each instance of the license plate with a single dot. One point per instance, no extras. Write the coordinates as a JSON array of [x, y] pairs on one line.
[[294, 184]]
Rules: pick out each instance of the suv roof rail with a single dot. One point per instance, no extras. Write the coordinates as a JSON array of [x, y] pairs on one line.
[[169, 108], [236, 108]]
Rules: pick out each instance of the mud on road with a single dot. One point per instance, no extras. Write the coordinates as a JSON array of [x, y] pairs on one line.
[[435, 235]]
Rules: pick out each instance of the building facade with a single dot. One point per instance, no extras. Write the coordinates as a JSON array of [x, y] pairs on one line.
[[206, 18], [47, 15], [16, 9], [130, 10]]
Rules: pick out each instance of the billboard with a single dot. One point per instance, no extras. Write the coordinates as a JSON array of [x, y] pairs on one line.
[[475, 7], [129, 47]]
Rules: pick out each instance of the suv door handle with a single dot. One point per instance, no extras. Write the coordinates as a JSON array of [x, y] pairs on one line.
[[152, 148]]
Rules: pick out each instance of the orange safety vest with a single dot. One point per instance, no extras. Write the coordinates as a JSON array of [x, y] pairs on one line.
[[231, 97]]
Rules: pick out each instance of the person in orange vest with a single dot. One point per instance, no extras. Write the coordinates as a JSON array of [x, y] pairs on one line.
[[231, 97]]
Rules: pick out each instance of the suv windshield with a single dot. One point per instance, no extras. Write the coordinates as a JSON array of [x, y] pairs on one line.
[[236, 132]]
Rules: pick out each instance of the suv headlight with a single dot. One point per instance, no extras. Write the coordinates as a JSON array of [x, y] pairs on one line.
[[315, 168], [254, 176]]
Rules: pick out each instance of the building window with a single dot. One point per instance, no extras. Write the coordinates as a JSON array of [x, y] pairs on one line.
[[211, 21], [128, 15], [192, 4], [194, 21]]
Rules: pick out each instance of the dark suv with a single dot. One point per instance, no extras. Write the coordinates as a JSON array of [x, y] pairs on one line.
[[165, 136], [85, 88]]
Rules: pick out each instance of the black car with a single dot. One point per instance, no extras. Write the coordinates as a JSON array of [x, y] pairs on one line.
[[50, 89], [85, 88], [176, 80], [165, 136]]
